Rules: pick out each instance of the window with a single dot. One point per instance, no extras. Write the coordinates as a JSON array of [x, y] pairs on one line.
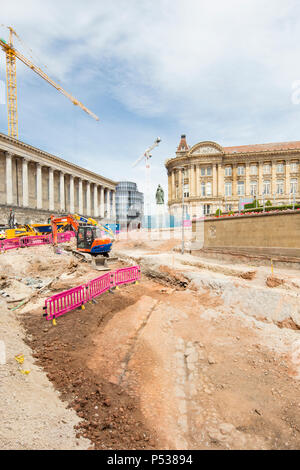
[[186, 190], [279, 186], [228, 170], [228, 207], [294, 167], [208, 171], [208, 189], [294, 185], [253, 188], [267, 168], [206, 209], [267, 187], [280, 168], [240, 170], [253, 169], [228, 189], [203, 189], [202, 171], [240, 188]]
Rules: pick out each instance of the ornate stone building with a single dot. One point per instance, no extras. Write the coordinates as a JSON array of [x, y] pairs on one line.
[[36, 183], [222, 177]]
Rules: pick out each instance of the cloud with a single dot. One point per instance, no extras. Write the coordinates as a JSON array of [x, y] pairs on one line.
[[213, 69]]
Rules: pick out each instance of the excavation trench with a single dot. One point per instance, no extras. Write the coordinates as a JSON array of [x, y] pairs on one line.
[[186, 359]]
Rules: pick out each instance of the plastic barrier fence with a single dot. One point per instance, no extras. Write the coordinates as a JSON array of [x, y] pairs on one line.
[[64, 237], [126, 275], [62, 303], [99, 285], [59, 304], [9, 244], [37, 240]]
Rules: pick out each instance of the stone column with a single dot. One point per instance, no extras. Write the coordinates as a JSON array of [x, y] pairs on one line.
[[287, 179], [192, 181], [25, 182], [247, 188], [260, 179], [72, 205], [113, 204], [215, 181], [96, 209], [221, 189], [173, 192], [39, 199], [80, 198], [9, 186], [169, 186], [62, 191], [88, 199], [102, 208], [180, 176], [108, 203], [198, 186], [51, 189]]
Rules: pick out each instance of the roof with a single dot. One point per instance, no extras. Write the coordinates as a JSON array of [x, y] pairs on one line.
[[263, 147]]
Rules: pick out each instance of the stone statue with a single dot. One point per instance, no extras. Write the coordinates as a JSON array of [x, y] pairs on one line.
[[159, 195]]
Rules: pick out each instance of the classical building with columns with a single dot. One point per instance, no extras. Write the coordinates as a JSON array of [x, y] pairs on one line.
[[212, 176], [35, 184]]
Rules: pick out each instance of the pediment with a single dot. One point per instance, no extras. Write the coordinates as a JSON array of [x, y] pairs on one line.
[[206, 148]]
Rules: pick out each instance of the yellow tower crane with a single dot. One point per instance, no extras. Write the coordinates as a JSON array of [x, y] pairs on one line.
[[11, 83]]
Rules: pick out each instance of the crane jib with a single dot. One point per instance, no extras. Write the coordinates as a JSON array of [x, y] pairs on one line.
[[11, 55]]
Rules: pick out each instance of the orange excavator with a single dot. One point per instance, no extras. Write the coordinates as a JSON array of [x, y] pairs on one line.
[[89, 238]]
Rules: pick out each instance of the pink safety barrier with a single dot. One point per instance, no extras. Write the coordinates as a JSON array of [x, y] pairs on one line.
[[64, 237], [99, 285], [38, 240], [59, 304], [9, 244], [126, 275], [35, 240]]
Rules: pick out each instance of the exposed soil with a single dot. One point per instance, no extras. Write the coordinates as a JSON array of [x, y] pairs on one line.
[[111, 418], [190, 358], [274, 281]]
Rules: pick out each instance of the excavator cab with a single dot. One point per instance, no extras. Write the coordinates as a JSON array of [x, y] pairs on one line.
[[89, 240]]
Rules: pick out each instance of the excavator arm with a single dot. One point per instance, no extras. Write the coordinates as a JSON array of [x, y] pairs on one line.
[[68, 219]]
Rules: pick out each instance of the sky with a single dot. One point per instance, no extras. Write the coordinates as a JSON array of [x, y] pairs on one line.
[[224, 71]]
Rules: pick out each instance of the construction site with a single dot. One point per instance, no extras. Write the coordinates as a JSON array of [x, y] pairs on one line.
[[174, 338], [187, 353]]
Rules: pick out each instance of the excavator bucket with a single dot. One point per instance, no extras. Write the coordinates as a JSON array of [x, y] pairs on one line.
[[99, 262]]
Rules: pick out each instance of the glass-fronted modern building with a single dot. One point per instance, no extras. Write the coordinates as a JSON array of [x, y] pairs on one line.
[[129, 205]]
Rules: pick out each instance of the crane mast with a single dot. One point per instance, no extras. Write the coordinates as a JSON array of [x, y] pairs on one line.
[[11, 85], [11, 82]]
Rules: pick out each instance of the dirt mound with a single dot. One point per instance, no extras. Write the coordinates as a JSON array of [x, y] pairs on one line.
[[274, 281], [249, 275]]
